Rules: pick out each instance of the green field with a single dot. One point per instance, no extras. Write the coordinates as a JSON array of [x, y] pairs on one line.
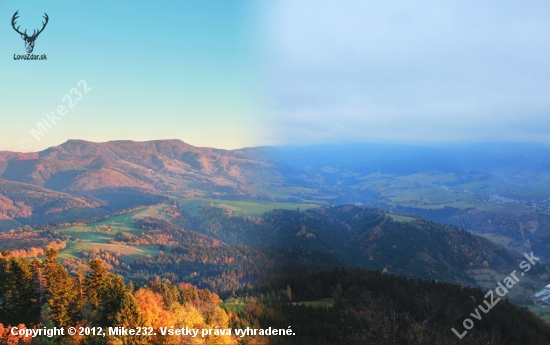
[[123, 218], [488, 279], [543, 312], [250, 208], [516, 209], [430, 198], [129, 253], [399, 218], [502, 240], [296, 191], [425, 190], [98, 235]]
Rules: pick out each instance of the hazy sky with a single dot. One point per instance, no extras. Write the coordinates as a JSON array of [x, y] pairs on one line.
[[233, 73], [410, 70]]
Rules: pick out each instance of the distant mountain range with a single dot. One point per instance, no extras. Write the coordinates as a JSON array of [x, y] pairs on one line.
[[79, 165], [80, 174]]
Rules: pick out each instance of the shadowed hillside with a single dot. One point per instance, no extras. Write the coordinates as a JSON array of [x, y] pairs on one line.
[[366, 237]]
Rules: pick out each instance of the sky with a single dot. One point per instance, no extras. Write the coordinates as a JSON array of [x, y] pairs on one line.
[[158, 70], [230, 74]]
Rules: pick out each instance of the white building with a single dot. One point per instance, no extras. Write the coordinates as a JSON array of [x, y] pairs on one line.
[[543, 296]]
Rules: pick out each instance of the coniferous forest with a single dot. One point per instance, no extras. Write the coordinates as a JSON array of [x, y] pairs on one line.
[[349, 306]]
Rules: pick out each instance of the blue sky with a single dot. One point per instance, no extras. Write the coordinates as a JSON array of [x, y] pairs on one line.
[[158, 70], [230, 74]]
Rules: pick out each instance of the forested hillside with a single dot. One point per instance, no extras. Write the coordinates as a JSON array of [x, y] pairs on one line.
[[363, 308], [363, 236], [22, 203], [373, 308], [43, 293]]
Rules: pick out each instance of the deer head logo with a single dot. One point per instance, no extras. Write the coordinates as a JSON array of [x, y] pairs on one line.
[[29, 40]]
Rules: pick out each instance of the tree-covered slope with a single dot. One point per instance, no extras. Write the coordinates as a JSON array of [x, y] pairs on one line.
[[366, 237]]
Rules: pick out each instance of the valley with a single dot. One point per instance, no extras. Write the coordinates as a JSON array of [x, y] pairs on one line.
[[234, 222]]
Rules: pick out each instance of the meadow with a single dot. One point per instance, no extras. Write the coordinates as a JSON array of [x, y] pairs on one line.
[[399, 218], [100, 234], [248, 208]]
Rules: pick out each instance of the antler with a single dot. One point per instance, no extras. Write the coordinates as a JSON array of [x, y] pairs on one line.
[[43, 26], [13, 19]]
